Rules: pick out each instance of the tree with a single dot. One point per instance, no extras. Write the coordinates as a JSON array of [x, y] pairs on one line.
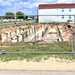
[[20, 15], [9, 15], [26, 17]]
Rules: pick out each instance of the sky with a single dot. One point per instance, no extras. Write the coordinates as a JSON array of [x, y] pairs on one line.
[[29, 7]]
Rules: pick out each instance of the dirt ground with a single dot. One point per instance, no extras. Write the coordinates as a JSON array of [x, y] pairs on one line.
[[50, 64]]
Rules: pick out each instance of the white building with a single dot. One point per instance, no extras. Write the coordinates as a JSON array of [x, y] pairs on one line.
[[56, 12]]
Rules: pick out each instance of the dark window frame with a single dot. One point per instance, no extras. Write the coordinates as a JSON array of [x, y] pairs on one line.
[[62, 9], [62, 16], [69, 9], [69, 16]]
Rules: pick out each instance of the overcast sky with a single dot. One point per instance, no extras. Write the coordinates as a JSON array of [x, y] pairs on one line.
[[29, 7]]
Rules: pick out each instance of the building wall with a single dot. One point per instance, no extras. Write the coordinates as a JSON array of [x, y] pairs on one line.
[[56, 14]]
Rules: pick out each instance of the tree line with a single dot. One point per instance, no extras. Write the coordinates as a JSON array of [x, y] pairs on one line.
[[19, 15]]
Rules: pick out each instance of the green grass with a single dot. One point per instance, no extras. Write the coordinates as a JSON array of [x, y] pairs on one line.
[[5, 24], [25, 47], [35, 57]]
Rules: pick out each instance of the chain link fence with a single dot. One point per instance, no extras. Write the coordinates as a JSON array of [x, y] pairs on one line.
[[38, 34]]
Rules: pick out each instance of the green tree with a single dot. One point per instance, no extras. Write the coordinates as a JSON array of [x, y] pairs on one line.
[[26, 17], [9, 15], [20, 15]]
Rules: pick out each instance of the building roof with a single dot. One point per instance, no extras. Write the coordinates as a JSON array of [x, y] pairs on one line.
[[43, 6]]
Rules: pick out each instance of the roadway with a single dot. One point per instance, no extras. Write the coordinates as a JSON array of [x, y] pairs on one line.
[[12, 72]]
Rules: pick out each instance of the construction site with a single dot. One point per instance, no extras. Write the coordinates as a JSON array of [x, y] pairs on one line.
[[45, 33]]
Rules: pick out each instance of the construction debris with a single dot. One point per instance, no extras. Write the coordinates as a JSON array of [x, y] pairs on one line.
[[44, 32]]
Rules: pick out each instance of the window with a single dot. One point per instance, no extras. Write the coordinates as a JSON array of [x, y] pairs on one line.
[[69, 9], [69, 16], [62, 9], [62, 16]]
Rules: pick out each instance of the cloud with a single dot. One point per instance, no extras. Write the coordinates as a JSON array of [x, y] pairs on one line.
[[39, 1], [11, 0], [55, 1], [65, 1], [0, 0], [5, 3], [26, 11], [27, 6]]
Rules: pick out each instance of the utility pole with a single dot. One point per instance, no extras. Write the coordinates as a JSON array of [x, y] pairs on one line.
[[15, 10]]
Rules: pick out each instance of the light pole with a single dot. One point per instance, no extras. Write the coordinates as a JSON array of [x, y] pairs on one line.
[[15, 10]]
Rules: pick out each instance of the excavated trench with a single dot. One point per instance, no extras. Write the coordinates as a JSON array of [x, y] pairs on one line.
[[44, 33]]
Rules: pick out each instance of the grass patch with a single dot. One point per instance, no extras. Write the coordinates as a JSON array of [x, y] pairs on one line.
[[35, 57], [5, 24], [26, 47]]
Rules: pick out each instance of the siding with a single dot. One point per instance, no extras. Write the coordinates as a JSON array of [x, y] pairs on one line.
[[46, 15]]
